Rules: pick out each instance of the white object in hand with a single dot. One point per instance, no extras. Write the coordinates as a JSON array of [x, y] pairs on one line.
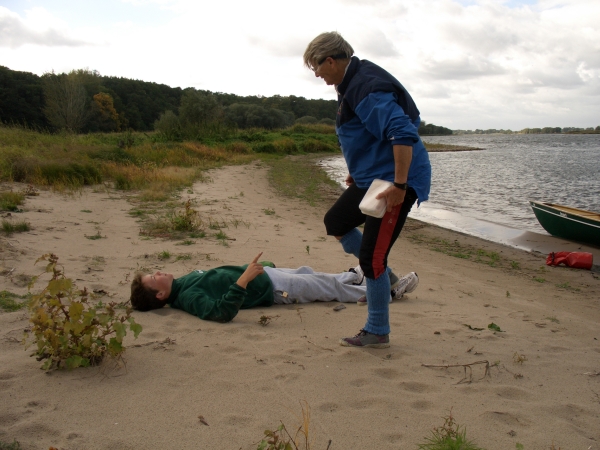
[[370, 205]]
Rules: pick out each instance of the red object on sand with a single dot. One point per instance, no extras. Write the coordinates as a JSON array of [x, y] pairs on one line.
[[577, 260]]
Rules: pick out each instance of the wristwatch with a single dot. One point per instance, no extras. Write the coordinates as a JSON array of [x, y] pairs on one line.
[[403, 186]]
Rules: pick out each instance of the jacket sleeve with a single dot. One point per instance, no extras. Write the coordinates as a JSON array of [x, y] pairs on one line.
[[385, 119], [207, 307]]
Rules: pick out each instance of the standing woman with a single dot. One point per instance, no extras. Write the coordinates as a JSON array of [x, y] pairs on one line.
[[377, 127]]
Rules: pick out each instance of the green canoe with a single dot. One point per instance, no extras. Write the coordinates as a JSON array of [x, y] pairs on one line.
[[568, 223]]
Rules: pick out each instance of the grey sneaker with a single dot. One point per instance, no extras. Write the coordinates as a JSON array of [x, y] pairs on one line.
[[366, 339], [360, 277], [407, 284]]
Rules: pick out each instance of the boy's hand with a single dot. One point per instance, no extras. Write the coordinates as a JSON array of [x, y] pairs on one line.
[[253, 270]]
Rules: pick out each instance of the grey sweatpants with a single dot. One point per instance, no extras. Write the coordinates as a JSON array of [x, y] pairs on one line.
[[304, 285]]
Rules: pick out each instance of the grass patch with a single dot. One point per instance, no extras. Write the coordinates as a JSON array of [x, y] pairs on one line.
[[165, 254], [95, 237], [449, 436], [299, 177], [10, 201], [15, 445], [8, 301], [15, 227]]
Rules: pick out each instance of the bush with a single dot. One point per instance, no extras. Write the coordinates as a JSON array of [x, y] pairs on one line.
[[316, 146], [329, 122], [10, 201], [168, 127], [69, 329], [306, 120], [264, 147]]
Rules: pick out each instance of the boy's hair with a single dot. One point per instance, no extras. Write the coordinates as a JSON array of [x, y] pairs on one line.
[[144, 298]]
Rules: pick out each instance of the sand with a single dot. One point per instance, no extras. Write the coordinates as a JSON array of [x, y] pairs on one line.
[[542, 387]]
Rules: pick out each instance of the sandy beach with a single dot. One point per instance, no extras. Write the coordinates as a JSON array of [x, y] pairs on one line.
[[541, 387]]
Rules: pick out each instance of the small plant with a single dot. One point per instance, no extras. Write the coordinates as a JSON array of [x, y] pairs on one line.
[[15, 227], [197, 235], [449, 436], [10, 201], [8, 303], [281, 439], [186, 242], [183, 257], [186, 220], [14, 446], [68, 328], [86, 210], [507, 294], [221, 236], [553, 319], [266, 320], [515, 265], [95, 237], [539, 279], [565, 285], [165, 254], [307, 248], [269, 212], [518, 358]]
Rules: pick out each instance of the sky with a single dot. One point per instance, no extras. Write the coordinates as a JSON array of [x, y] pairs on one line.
[[468, 64]]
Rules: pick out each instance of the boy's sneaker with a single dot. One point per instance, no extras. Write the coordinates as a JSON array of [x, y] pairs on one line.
[[407, 284], [360, 277], [366, 339]]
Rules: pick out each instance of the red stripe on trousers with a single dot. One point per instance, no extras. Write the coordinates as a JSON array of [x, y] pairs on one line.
[[386, 230]]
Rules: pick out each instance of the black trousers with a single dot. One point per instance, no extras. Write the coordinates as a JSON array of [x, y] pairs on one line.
[[379, 235]]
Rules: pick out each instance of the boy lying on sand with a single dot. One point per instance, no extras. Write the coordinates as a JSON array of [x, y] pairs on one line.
[[218, 294]]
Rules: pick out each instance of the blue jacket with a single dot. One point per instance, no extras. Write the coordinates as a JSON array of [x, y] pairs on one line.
[[374, 113]]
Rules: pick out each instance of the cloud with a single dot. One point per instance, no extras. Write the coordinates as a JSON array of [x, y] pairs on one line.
[[15, 33], [462, 68]]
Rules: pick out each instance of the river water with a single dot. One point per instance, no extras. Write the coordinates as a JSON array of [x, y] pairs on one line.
[[485, 193]]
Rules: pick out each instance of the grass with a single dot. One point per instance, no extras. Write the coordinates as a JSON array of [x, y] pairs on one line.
[[10, 201], [165, 254], [299, 177], [449, 436], [458, 250], [10, 227], [70, 161], [15, 445], [9, 303]]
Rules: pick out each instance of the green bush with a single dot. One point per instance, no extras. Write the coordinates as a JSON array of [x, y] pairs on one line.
[[70, 329], [264, 147], [10, 201], [306, 120], [315, 146]]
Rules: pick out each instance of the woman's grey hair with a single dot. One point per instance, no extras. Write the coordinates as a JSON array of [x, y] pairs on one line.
[[326, 44]]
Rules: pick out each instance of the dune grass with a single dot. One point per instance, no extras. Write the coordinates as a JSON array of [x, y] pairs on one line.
[[139, 161]]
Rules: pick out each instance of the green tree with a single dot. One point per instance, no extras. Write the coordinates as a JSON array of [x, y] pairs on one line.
[[198, 108], [168, 126], [67, 106]]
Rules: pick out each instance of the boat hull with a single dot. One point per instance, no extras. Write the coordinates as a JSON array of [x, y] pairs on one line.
[[568, 223]]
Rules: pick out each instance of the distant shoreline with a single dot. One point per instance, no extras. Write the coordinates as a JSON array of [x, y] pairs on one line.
[[435, 148]]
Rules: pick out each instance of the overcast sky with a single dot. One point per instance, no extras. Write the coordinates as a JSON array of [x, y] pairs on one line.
[[467, 63]]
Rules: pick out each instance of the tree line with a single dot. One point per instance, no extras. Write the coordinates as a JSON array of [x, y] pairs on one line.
[[84, 101]]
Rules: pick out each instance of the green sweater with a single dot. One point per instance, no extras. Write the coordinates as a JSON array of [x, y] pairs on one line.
[[214, 294]]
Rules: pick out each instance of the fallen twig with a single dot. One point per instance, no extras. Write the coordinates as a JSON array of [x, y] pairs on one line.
[[468, 375]]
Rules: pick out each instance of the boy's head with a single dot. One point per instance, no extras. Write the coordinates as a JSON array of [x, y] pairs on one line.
[[150, 291]]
